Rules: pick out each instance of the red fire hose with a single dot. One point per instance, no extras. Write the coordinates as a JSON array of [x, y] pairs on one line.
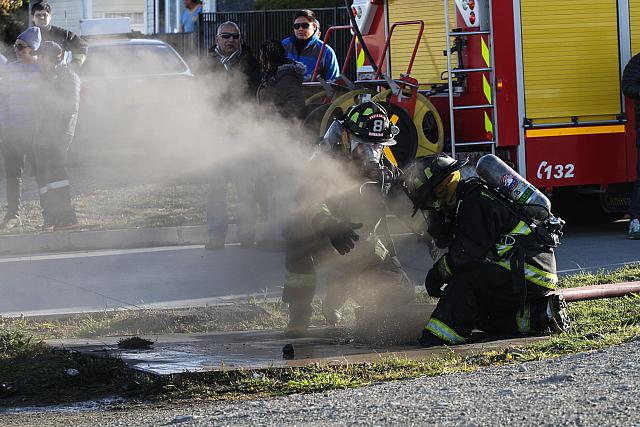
[[585, 293]]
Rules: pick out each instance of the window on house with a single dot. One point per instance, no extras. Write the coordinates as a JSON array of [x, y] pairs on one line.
[[137, 18]]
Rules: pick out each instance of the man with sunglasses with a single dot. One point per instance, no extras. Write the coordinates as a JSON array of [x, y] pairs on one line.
[[304, 46], [18, 117], [231, 57]]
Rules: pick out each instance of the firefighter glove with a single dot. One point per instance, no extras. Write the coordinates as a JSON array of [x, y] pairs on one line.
[[434, 282], [342, 234]]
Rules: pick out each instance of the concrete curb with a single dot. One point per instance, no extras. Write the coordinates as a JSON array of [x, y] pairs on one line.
[[24, 244], [128, 238]]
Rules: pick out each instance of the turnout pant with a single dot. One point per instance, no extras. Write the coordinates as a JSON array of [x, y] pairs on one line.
[[487, 299], [53, 182], [363, 274]]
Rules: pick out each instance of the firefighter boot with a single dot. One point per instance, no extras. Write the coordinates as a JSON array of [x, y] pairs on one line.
[[557, 315], [300, 310], [429, 340], [337, 294]]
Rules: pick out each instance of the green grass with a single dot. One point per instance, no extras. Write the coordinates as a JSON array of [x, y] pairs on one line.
[[32, 372], [252, 314], [136, 206], [35, 373]]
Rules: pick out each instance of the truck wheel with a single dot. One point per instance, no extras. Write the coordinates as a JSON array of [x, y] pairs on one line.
[[428, 124]]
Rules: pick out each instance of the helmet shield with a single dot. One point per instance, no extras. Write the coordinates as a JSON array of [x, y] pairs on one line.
[[333, 136], [366, 152]]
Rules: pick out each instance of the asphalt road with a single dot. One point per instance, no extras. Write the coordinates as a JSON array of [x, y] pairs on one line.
[[595, 389], [190, 275]]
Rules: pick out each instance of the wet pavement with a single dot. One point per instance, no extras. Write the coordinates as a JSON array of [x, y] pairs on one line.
[[181, 353]]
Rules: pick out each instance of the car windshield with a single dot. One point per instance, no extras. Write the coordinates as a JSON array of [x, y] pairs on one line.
[[132, 60]]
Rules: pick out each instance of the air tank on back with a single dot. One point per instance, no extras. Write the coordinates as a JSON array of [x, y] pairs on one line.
[[498, 174]]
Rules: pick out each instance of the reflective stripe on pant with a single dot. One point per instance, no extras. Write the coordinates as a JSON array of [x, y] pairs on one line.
[[485, 298], [534, 274], [446, 334]]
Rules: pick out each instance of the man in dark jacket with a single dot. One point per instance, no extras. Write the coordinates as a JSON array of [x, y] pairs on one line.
[[496, 271], [59, 101], [230, 56], [631, 88], [68, 40], [304, 46]]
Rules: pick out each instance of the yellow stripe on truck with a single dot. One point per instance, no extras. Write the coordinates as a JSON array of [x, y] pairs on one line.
[[583, 130], [485, 53], [486, 88]]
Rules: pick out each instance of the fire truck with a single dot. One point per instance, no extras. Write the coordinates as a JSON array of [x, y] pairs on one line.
[[536, 82]]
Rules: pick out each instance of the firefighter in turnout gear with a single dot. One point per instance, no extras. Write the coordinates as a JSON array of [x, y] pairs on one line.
[[349, 221], [497, 270]]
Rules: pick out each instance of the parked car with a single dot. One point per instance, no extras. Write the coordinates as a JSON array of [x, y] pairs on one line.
[[132, 93]]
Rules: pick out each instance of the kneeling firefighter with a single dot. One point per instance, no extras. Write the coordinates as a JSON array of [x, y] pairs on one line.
[[500, 262], [369, 272]]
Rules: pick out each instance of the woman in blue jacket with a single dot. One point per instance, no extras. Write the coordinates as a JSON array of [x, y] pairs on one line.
[[304, 46]]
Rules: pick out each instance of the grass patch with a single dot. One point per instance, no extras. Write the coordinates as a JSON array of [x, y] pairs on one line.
[[33, 373], [253, 314], [137, 206], [27, 367]]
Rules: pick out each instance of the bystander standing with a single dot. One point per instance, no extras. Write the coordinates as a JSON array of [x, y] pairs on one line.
[[18, 117], [281, 85], [68, 40], [189, 18], [58, 101], [631, 88], [280, 94], [231, 57], [304, 46]]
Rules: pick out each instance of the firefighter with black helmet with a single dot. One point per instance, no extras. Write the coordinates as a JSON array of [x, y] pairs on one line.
[[349, 221], [497, 270]]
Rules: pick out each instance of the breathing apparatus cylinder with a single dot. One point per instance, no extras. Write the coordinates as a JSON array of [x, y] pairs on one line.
[[524, 195]]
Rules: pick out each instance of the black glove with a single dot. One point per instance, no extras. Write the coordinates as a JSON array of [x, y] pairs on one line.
[[434, 282], [341, 234]]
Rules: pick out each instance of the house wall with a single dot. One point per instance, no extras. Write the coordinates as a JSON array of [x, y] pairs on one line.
[[134, 9], [67, 13]]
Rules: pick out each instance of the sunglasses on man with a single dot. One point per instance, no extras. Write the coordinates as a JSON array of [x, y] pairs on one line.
[[235, 36], [20, 46], [299, 25]]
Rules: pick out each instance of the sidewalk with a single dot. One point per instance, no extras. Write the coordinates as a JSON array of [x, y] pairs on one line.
[[25, 244]]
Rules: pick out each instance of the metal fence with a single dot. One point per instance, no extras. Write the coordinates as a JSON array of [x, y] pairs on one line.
[[258, 26]]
